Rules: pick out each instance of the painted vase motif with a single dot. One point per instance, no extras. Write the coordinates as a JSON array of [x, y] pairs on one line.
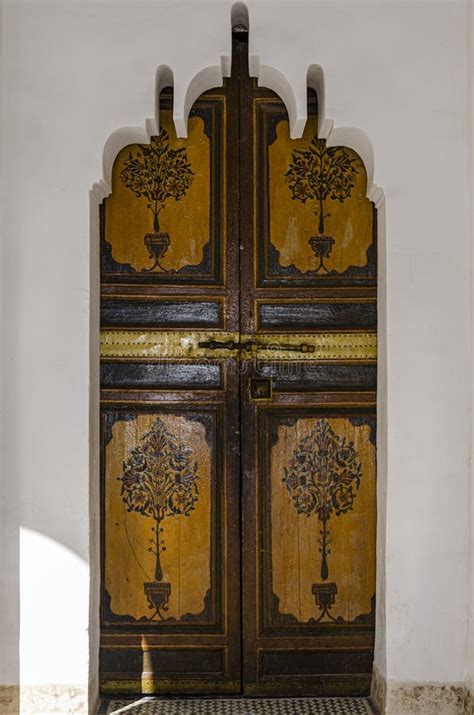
[[316, 174], [157, 173], [159, 480], [322, 477]]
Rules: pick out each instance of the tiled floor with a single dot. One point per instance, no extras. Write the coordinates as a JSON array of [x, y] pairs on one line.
[[237, 706]]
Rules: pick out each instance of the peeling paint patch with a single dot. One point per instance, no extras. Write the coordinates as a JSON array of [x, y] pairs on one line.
[[378, 694], [468, 702], [42, 700], [45, 699], [395, 698], [9, 699], [433, 698]]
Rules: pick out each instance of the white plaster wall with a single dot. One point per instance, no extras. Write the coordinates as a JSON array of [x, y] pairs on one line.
[[73, 73], [470, 658]]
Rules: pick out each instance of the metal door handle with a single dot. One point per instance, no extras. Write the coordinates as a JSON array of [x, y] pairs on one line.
[[299, 348], [251, 345], [225, 345]]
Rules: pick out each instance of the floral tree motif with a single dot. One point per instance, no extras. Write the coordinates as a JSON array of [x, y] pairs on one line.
[[323, 477], [158, 173], [319, 173], [159, 479]]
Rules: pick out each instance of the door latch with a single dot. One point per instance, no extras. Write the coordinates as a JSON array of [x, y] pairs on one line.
[[253, 346], [225, 345], [298, 348]]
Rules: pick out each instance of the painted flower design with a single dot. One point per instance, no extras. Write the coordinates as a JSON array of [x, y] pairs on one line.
[[322, 477], [319, 173], [159, 479], [158, 173]]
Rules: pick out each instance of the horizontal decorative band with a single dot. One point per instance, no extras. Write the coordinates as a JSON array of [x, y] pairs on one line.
[[161, 374], [317, 314], [308, 377], [295, 346], [150, 686], [316, 346], [161, 344], [150, 314]]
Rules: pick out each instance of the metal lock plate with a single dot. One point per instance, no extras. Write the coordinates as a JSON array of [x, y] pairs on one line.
[[261, 388]]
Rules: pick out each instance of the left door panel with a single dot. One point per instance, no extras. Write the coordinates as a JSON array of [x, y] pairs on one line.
[[170, 602]]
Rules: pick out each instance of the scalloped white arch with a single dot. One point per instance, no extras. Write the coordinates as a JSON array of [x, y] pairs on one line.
[[164, 78], [183, 99], [351, 137], [294, 96]]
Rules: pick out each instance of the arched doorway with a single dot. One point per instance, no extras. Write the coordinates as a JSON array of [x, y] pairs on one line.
[[238, 391]]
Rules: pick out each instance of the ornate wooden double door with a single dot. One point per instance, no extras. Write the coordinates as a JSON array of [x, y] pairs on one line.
[[238, 378]]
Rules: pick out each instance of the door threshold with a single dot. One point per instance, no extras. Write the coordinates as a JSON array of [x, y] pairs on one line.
[[149, 705]]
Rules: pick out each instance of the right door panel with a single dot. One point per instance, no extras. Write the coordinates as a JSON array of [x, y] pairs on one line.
[[308, 393]]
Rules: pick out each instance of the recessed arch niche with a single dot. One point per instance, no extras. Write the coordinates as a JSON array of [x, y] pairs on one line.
[[238, 333]]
